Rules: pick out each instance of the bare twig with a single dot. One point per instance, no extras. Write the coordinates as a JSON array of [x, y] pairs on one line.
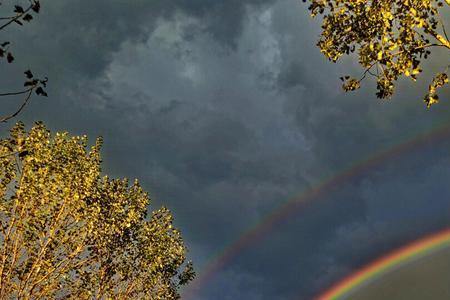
[[24, 103], [16, 93]]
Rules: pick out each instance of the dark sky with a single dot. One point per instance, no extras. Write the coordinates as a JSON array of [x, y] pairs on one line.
[[224, 110]]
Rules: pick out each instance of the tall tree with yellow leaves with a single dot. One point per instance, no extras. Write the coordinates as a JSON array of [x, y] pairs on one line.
[[67, 232], [390, 37]]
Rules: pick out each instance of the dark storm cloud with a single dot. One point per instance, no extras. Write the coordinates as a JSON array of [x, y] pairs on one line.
[[236, 145], [81, 35], [226, 109]]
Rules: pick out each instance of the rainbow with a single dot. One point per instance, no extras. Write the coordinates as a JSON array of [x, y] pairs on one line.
[[388, 263], [258, 231]]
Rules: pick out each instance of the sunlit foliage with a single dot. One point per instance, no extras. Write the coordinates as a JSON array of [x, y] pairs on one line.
[[67, 232], [390, 37]]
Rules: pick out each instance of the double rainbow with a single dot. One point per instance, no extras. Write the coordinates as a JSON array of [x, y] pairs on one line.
[[257, 232]]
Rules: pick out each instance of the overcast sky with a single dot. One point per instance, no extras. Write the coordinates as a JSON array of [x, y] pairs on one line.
[[225, 110]]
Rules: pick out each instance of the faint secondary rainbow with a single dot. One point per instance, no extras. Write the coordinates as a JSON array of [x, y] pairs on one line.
[[390, 262], [302, 201]]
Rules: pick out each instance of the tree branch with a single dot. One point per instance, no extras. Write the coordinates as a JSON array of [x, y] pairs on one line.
[[17, 17], [16, 93], [24, 103]]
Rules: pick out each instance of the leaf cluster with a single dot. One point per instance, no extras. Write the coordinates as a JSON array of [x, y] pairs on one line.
[[66, 232], [390, 37]]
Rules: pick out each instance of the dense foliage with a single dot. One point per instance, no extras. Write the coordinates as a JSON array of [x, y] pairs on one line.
[[67, 232], [391, 38]]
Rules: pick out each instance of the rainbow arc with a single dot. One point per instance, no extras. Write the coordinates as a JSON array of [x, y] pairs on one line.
[[390, 262], [299, 203]]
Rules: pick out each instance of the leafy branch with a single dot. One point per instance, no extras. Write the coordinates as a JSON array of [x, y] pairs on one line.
[[20, 15], [391, 39]]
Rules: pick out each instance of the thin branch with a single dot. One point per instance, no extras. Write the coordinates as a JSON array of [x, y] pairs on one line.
[[16, 93], [48, 238], [19, 169], [438, 37], [17, 17], [9, 154], [5, 245], [443, 26], [15, 256], [27, 98], [371, 73], [376, 62]]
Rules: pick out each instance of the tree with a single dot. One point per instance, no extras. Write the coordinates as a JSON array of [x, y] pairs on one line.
[[32, 84], [67, 232], [392, 38]]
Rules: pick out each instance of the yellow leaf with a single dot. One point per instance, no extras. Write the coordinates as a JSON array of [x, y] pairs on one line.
[[380, 55]]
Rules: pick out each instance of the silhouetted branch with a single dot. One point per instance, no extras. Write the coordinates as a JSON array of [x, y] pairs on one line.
[[24, 103], [16, 93], [31, 84], [21, 14]]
